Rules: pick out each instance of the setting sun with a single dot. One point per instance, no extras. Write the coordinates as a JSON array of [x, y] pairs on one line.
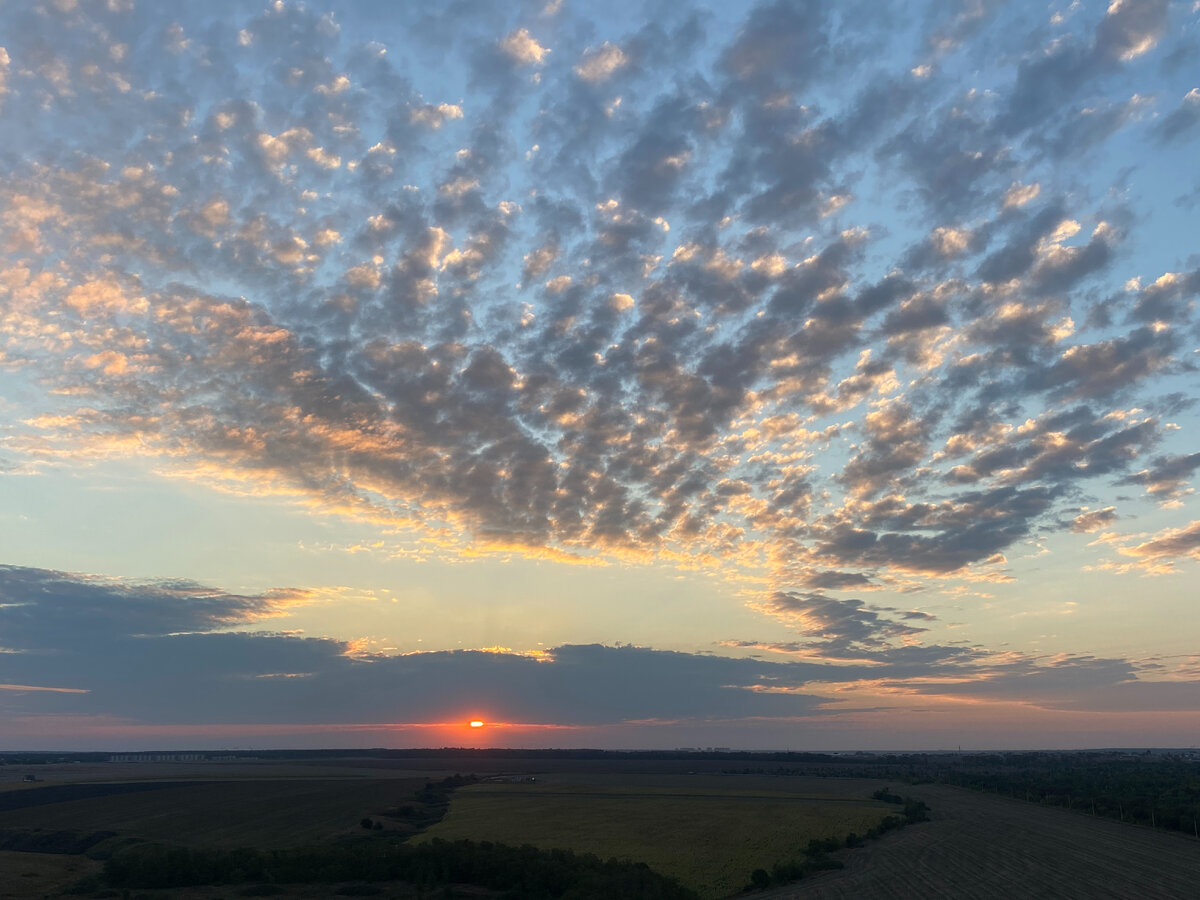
[[475, 723]]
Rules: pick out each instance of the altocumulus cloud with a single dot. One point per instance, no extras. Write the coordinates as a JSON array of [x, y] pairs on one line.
[[383, 364]]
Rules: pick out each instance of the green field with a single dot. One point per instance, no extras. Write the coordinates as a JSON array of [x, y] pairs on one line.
[[709, 838], [264, 814]]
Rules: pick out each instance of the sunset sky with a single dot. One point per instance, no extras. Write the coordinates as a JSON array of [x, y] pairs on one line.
[[793, 375]]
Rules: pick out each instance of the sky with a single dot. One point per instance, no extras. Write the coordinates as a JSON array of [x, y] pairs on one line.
[[783, 375]]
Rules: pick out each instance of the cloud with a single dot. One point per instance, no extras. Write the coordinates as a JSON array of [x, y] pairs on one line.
[[1130, 28], [896, 441], [842, 628], [1048, 683], [43, 610], [1167, 478], [1108, 366], [600, 63], [1159, 554], [29, 687], [1182, 119], [77, 652], [1167, 299], [1020, 194], [91, 646], [1052, 77], [1093, 520], [666, 333], [523, 48], [835, 581], [776, 45], [434, 116], [958, 21]]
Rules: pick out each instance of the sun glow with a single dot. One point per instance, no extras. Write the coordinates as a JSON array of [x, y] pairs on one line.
[[475, 723]]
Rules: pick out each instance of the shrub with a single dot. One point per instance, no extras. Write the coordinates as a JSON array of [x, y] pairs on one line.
[[88, 884], [262, 890], [359, 889]]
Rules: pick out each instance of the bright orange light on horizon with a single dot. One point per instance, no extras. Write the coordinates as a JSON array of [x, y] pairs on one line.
[[475, 723]]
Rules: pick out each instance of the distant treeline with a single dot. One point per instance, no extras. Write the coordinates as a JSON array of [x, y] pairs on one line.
[[521, 871], [838, 762], [460, 753]]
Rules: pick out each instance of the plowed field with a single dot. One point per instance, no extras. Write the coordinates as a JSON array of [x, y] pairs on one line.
[[984, 847]]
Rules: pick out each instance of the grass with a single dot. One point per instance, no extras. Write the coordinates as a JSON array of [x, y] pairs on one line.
[[41, 874], [708, 838], [264, 814]]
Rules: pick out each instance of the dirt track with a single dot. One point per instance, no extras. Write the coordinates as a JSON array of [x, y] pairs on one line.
[[980, 847]]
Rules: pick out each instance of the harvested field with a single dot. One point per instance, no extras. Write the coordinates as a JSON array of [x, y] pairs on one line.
[[984, 847], [709, 833], [263, 814]]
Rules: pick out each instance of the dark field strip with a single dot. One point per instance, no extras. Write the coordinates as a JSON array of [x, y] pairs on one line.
[[724, 797], [68, 842], [984, 847], [264, 814], [65, 793]]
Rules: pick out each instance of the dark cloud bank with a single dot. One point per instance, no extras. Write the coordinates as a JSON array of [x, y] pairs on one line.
[[177, 653]]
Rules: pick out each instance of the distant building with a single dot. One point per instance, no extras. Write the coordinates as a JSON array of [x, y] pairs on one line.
[[156, 757]]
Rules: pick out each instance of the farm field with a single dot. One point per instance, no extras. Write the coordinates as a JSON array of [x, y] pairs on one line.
[[709, 833], [684, 818], [223, 770], [264, 814], [984, 847], [36, 876], [40, 874]]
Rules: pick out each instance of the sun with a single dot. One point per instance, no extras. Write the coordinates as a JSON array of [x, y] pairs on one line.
[[475, 723]]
